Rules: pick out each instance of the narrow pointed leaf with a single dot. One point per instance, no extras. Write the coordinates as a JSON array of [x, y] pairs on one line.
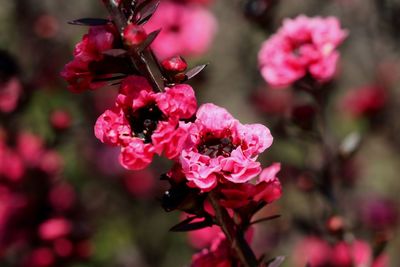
[[186, 225], [150, 38], [266, 219], [147, 11], [89, 22], [194, 71], [276, 262], [107, 79], [115, 52], [184, 222]]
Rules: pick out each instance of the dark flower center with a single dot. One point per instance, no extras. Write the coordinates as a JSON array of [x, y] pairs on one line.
[[175, 28], [144, 121], [213, 146]]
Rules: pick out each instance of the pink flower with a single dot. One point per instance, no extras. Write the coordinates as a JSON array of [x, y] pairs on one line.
[[11, 164], [217, 255], [30, 148], [318, 253], [54, 228], [144, 123], [302, 46], [187, 30], [220, 147], [79, 73], [60, 119], [10, 93], [140, 184], [202, 238], [364, 101], [266, 189], [312, 250]]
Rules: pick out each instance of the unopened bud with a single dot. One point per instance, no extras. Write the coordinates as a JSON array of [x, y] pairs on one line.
[[335, 224], [134, 34], [174, 64]]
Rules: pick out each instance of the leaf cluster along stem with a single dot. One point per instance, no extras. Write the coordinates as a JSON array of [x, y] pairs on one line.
[[234, 236], [144, 61]]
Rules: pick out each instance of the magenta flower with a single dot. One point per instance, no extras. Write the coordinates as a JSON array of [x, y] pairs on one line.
[[10, 93], [187, 30], [220, 147], [364, 101], [144, 123], [217, 255], [302, 46], [79, 73], [266, 189], [11, 164], [318, 252]]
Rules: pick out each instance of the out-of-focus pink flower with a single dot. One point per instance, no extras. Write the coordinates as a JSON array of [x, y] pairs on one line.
[[54, 228], [10, 93], [220, 147], [40, 257], [144, 123], [312, 250], [319, 253], [46, 26], [62, 197], [270, 101], [63, 247], [303, 46], [141, 183], [10, 203], [78, 72], [187, 30], [51, 162], [60, 119], [364, 101], [378, 213], [11, 164], [31, 148]]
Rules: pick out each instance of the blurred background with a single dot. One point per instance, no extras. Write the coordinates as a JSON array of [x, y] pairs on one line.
[[118, 213]]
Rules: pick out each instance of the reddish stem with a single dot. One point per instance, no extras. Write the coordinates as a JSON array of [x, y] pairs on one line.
[[145, 61], [235, 236]]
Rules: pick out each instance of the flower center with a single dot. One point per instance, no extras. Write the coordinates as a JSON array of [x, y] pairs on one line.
[[213, 146], [175, 28], [144, 121]]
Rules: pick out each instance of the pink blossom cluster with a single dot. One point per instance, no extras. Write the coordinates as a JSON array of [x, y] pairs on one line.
[[186, 29], [211, 150], [144, 123], [219, 253], [89, 59], [220, 148], [29, 152], [28, 185], [319, 253], [302, 47]]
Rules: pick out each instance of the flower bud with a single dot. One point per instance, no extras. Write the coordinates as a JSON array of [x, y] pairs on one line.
[[174, 64], [134, 34], [335, 224], [60, 120]]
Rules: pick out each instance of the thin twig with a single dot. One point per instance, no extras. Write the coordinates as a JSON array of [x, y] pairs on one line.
[[144, 61], [234, 236]]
